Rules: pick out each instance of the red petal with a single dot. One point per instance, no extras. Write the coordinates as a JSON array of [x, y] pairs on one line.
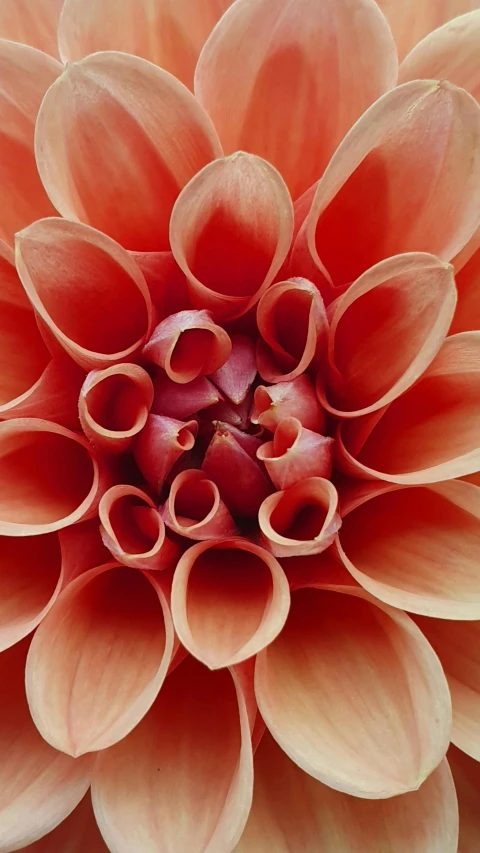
[[295, 454], [296, 398], [162, 441], [302, 519], [188, 345], [241, 480], [194, 508]]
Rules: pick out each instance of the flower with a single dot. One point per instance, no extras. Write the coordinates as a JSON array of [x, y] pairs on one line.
[[239, 426]]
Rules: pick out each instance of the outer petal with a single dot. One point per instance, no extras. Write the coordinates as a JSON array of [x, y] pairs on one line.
[[77, 834], [466, 775], [188, 345], [467, 315], [39, 787], [166, 282], [409, 299], [194, 508], [162, 441], [183, 779], [230, 232], [416, 548], [116, 140], [230, 598], [300, 520], [339, 643], [33, 22], [414, 19], [431, 433], [85, 287], [25, 75], [99, 659], [293, 812], [295, 454], [170, 33], [295, 398], [300, 71], [406, 178]]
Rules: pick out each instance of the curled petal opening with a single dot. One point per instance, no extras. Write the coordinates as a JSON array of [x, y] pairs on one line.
[[194, 508], [32, 22], [182, 401], [162, 441], [188, 345], [295, 454], [300, 520], [241, 479], [236, 376], [295, 398]]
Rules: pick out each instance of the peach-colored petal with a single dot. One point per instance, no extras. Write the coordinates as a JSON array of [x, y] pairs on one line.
[[449, 53], [182, 780], [49, 477], [295, 398], [187, 345], [236, 376], [302, 519], [39, 786], [409, 299], [86, 288], [33, 22], [170, 33], [431, 432], [411, 20], [293, 326], [116, 140], [114, 404], [230, 599], [299, 74], [406, 178], [162, 441], [230, 232], [241, 479], [79, 833], [25, 75], [165, 280], [133, 530], [467, 314], [416, 548], [99, 658], [292, 812], [295, 454], [194, 508], [182, 401], [466, 775]]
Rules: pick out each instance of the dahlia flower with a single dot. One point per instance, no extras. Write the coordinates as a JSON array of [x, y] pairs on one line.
[[240, 426]]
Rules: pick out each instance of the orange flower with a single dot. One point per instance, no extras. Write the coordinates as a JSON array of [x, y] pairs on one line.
[[239, 426]]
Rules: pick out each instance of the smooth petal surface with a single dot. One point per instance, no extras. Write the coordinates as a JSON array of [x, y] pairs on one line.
[[77, 834], [431, 432], [54, 396], [297, 70], [295, 398], [236, 376], [295, 454], [169, 33], [230, 232], [412, 20], [116, 140], [182, 401], [342, 644], [162, 441], [293, 812], [99, 658], [466, 775], [86, 288], [188, 345], [39, 786], [194, 508], [409, 299], [302, 519], [467, 315], [230, 599], [241, 479], [406, 178], [25, 76], [182, 780], [33, 22], [416, 548], [165, 280]]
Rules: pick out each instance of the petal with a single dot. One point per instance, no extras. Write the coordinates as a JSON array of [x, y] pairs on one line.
[[114, 404], [241, 480], [295, 454], [113, 115], [405, 179], [194, 508], [98, 660], [82, 548], [412, 20], [409, 299], [187, 345], [162, 441], [181, 401], [230, 598], [342, 644], [237, 375], [467, 315], [191, 757], [54, 396], [165, 280], [33, 22], [293, 812], [466, 775], [49, 477], [170, 33], [431, 433], [39, 786], [416, 548], [300, 520], [77, 834], [300, 71], [230, 232], [295, 398]]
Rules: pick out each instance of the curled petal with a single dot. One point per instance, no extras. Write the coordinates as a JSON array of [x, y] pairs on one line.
[[49, 477], [99, 658], [406, 178], [295, 454], [182, 401], [241, 480], [236, 376], [293, 324], [88, 291], [340, 643], [78, 833], [133, 530], [159, 445], [409, 299], [194, 508], [467, 314], [273, 59], [230, 599], [291, 811], [32, 22], [54, 396], [187, 345], [414, 19], [416, 548], [114, 405], [39, 786], [300, 520], [109, 115], [431, 432], [466, 775], [295, 398], [165, 280], [230, 232], [141, 786]]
